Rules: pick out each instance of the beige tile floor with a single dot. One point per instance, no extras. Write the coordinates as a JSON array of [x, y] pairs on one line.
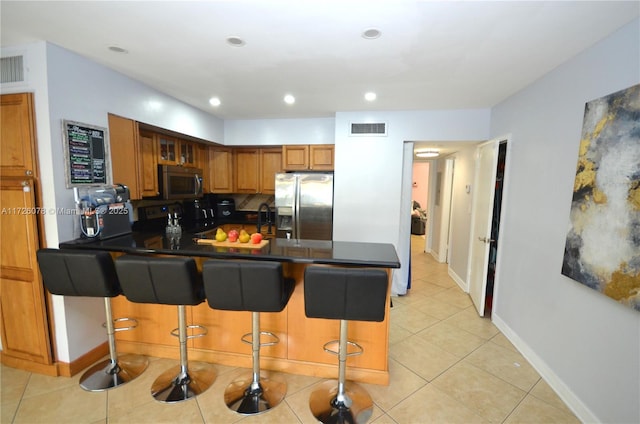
[[447, 365]]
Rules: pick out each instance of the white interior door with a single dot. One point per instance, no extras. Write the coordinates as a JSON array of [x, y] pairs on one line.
[[481, 215]]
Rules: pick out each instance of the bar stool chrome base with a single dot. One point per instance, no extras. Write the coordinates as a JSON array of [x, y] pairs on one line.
[[355, 407], [245, 397], [174, 385], [108, 374]]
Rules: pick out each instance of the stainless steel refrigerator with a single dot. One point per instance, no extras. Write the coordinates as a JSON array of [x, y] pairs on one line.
[[304, 205]]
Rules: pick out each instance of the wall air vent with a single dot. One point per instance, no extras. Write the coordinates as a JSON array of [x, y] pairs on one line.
[[11, 69], [376, 129]]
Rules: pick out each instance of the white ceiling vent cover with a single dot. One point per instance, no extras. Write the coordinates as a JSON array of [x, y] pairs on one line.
[[375, 128], [11, 69]]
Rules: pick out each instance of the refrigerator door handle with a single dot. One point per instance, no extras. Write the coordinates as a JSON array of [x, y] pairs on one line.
[[296, 210]]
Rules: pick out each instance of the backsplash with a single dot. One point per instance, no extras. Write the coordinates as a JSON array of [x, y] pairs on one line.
[[251, 202]]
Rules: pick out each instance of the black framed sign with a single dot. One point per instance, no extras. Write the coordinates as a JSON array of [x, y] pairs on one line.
[[86, 154]]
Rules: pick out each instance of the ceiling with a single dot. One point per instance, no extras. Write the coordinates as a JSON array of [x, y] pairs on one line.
[[430, 55]]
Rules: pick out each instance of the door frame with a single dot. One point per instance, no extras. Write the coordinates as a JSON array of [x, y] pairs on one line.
[[497, 140]]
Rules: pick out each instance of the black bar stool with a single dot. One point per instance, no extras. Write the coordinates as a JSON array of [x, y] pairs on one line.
[[169, 281], [254, 286], [92, 274], [347, 294]]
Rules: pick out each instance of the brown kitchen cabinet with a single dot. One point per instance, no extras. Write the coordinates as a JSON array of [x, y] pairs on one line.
[[303, 157], [220, 170], [255, 169], [148, 169], [133, 157], [24, 321], [271, 164], [18, 125], [173, 151]]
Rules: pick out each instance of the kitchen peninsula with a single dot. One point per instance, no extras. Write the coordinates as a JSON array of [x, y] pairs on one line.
[[300, 350]]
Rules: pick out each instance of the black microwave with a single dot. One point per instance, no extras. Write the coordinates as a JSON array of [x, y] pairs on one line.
[[178, 182]]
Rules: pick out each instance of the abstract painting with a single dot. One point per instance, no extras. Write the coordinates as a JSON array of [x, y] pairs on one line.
[[602, 249]]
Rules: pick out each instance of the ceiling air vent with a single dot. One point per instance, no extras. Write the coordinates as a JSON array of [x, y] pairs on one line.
[[376, 128], [11, 69]]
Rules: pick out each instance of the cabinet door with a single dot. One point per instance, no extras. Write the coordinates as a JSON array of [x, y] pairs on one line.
[[25, 332], [148, 169], [271, 160], [17, 155], [321, 157], [124, 153], [220, 170], [188, 152], [167, 150], [247, 170], [295, 157], [202, 162]]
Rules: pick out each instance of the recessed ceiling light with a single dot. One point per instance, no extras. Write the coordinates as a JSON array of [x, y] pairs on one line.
[[371, 33], [235, 41], [214, 101], [427, 153], [117, 49], [289, 99], [370, 96]]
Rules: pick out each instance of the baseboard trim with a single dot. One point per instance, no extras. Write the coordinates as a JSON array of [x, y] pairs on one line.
[[24, 364], [581, 411], [70, 369], [459, 281]]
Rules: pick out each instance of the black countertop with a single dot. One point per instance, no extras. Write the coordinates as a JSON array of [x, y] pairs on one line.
[[380, 255]]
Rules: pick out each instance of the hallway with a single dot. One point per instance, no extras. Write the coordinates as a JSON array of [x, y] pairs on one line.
[[447, 365]]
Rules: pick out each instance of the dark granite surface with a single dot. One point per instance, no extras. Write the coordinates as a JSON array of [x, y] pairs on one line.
[[282, 250]]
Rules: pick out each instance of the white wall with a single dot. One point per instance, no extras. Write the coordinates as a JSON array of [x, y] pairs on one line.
[[586, 345], [279, 131], [463, 175], [369, 184]]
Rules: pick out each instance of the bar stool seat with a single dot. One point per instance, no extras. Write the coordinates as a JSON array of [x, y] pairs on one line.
[[255, 286], [169, 281], [345, 294], [92, 274]]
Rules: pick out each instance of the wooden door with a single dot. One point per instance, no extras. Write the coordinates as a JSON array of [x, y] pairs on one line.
[[321, 157], [123, 144], [148, 170], [17, 127], [295, 157], [247, 170], [220, 170], [271, 161], [25, 332]]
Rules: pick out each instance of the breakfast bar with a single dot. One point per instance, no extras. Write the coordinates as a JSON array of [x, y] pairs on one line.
[[300, 350]]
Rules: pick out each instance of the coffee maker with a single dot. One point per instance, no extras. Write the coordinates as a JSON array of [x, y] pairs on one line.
[[105, 211]]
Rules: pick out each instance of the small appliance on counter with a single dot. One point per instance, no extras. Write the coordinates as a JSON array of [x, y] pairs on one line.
[[198, 213], [225, 208], [104, 210]]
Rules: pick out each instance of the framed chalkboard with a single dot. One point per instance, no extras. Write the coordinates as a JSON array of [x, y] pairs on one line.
[[86, 154]]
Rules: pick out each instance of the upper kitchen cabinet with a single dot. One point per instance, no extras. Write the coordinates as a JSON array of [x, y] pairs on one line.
[[124, 147], [314, 157], [255, 169], [18, 158], [246, 170], [148, 169], [173, 151], [321, 157], [271, 162], [220, 170]]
